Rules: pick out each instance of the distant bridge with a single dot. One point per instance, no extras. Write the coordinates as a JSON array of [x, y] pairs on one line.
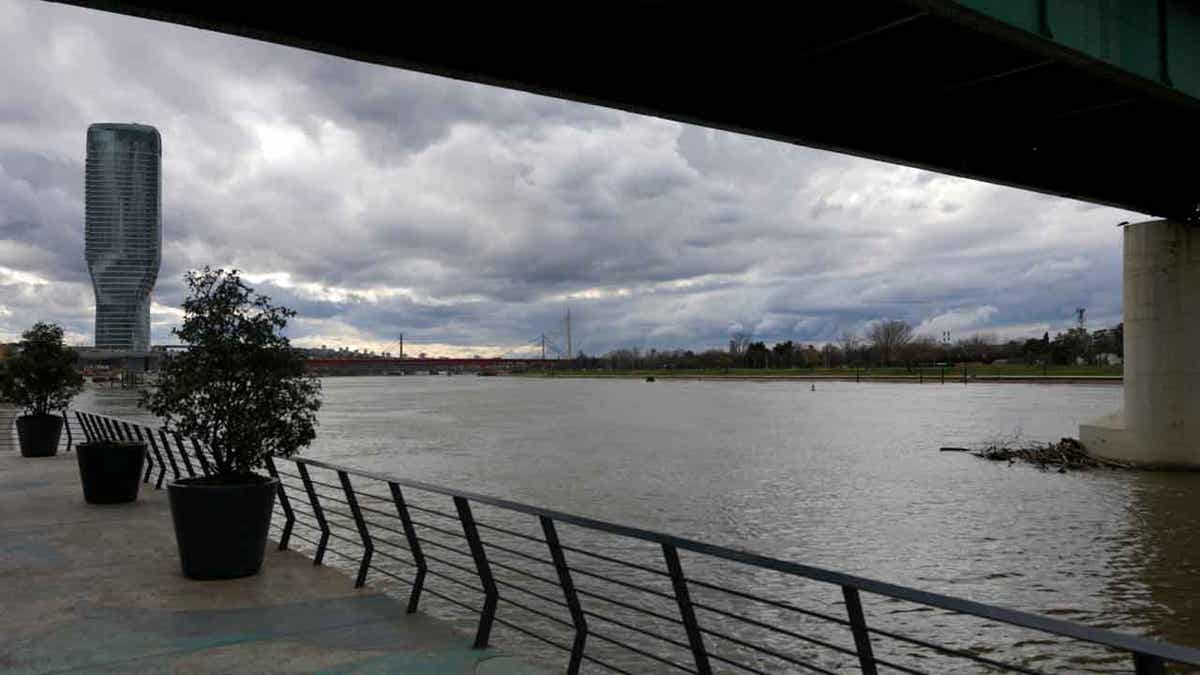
[[383, 366]]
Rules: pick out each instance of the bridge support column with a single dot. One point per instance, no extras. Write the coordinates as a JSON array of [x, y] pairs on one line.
[[1159, 425]]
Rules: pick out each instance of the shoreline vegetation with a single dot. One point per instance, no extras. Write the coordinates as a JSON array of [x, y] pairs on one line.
[[928, 375]]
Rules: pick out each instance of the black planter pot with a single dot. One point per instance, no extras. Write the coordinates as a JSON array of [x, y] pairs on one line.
[[39, 434], [221, 524], [110, 471]]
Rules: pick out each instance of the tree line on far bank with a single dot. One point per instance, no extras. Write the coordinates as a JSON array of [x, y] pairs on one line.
[[884, 343]]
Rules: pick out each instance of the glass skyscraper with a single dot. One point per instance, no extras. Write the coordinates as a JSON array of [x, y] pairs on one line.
[[123, 230]]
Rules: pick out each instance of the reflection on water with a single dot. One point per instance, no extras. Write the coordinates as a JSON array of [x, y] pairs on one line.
[[847, 477], [1154, 560]]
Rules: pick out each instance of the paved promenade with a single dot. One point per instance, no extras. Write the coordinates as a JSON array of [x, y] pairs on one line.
[[98, 589]]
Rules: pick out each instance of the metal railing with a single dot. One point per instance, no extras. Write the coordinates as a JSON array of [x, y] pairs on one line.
[[8, 429], [620, 598]]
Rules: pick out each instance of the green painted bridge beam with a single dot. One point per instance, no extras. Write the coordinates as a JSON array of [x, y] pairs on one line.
[[1156, 40]]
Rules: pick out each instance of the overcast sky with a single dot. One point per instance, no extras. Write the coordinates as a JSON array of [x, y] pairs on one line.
[[377, 202]]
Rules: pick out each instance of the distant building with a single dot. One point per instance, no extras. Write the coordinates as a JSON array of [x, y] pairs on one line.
[[123, 230]]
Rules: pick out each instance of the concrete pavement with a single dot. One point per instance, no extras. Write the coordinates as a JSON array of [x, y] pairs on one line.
[[98, 589]]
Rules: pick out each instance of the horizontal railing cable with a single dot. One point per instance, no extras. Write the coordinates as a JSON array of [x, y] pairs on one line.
[[641, 652], [390, 574], [773, 603], [626, 584], [626, 605], [764, 650], [445, 547], [433, 512], [954, 652], [776, 629], [531, 610], [526, 591], [512, 533], [610, 559], [636, 629], [435, 528], [525, 573], [518, 553], [738, 664]]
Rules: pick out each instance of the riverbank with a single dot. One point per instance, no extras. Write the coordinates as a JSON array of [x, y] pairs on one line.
[[982, 373]]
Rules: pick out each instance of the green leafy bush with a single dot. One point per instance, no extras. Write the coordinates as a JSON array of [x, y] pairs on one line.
[[41, 377], [239, 387]]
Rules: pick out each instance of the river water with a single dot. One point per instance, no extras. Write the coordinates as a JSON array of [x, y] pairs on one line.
[[847, 477]]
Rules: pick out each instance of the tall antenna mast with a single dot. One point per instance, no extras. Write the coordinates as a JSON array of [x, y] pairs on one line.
[[570, 352]]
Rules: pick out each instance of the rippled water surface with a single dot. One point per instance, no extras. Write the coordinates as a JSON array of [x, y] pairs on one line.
[[848, 477]]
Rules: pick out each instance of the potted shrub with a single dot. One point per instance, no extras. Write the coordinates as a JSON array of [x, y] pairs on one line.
[[110, 471], [41, 379], [241, 390]]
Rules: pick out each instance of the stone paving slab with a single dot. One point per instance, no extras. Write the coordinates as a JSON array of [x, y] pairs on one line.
[[98, 589]]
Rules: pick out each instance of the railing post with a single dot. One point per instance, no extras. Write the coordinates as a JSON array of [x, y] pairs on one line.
[[162, 466], [170, 457], [858, 626], [67, 424], [199, 455], [317, 511], [87, 432], [97, 432], [127, 435], [568, 587], [491, 595], [187, 463], [414, 547], [289, 517], [123, 430], [368, 544], [686, 611], [1145, 664]]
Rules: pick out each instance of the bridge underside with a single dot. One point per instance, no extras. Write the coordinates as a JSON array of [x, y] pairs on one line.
[[925, 83]]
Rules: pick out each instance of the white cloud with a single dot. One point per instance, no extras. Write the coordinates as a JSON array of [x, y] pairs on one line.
[[958, 322], [377, 201]]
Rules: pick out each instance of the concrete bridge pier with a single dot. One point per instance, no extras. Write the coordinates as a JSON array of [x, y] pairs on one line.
[[1159, 425]]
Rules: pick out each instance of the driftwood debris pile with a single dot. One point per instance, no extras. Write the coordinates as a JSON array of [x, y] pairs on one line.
[[1067, 454]]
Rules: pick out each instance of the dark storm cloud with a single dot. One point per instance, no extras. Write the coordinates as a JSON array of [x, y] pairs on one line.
[[377, 201]]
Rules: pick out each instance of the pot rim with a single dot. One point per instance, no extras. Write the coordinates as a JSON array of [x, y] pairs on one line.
[[191, 484], [112, 444]]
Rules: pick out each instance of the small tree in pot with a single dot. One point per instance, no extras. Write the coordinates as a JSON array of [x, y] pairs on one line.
[[42, 380], [241, 390]]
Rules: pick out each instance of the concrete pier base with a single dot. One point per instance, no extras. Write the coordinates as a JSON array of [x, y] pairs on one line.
[[1159, 425]]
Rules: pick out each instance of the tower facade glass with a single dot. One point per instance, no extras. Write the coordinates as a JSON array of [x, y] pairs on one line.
[[123, 230]]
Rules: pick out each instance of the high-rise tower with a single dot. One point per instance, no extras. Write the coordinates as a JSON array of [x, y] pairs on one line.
[[123, 230]]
